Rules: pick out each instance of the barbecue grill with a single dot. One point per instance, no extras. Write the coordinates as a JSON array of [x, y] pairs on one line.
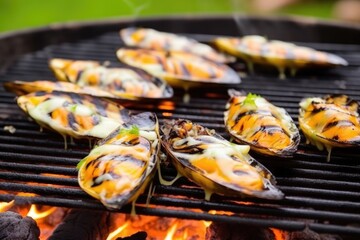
[[322, 196]]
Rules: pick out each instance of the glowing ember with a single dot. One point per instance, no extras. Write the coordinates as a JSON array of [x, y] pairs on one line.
[[167, 114], [35, 214], [166, 105], [158, 228], [4, 206], [279, 235]]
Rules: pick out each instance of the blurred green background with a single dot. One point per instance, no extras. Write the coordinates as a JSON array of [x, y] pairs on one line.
[[19, 14]]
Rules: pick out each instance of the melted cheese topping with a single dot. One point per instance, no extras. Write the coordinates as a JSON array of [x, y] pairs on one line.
[[119, 81], [331, 122], [221, 161], [261, 124], [76, 120], [178, 65], [152, 39], [119, 168], [111, 171], [278, 53]]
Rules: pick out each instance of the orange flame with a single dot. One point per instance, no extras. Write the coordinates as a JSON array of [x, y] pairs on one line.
[[116, 234], [167, 114], [157, 227], [4, 206], [166, 105], [208, 223], [279, 235], [170, 234], [36, 214]]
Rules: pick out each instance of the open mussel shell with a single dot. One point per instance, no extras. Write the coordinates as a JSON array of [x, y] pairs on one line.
[[214, 163], [121, 166], [268, 129], [73, 115], [156, 40], [24, 87], [257, 49], [332, 121], [179, 69], [123, 82], [68, 70]]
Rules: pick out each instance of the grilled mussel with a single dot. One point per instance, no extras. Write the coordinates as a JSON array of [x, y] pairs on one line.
[[120, 82], [332, 121], [24, 87], [120, 167], [251, 119], [152, 39], [73, 115], [180, 69], [282, 55], [215, 164]]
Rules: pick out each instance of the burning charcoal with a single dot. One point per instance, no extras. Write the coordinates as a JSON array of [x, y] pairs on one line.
[[332, 237], [83, 225], [14, 226], [136, 236], [304, 235], [225, 231], [311, 235]]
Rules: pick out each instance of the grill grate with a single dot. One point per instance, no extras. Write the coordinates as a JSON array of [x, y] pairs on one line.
[[324, 196]]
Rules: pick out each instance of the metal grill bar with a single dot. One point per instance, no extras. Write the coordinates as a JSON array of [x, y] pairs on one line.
[[325, 194]]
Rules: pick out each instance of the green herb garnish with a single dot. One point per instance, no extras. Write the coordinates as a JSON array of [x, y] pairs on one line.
[[78, 166], [133, 130], [250, 100], [73, 108]]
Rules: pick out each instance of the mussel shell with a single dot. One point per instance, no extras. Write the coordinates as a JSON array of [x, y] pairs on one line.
[[179, 69], [152, 39], [71, 114], [120, 167], [24, 87], [258, 49], [123, 82], [68, 70], [247, 168], [268, 129], [332, 121]]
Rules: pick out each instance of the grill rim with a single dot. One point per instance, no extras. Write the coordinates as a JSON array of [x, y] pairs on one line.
[[17, 42], [297, 223]]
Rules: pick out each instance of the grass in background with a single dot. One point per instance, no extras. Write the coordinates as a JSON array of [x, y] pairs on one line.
[[315, 8], [19, 14], [15, 14]]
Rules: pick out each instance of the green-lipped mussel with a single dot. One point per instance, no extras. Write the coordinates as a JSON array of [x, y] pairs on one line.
[[332, 121], [119, 82], [282, 55], [122, 165], [268, 129], [73, 115], [215, 164], [156, 40], [179, 69]]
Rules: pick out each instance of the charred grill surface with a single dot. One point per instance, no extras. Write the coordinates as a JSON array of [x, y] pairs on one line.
[[325, 196]]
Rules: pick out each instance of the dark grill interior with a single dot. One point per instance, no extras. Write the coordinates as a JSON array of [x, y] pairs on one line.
[[321, 195]]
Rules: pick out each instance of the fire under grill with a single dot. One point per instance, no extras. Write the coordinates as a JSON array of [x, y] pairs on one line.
[[323, 196]]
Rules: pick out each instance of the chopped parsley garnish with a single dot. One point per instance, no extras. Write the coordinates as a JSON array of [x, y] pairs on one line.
[[73, 108], [250, 100], [133, 130], [78, 166]]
